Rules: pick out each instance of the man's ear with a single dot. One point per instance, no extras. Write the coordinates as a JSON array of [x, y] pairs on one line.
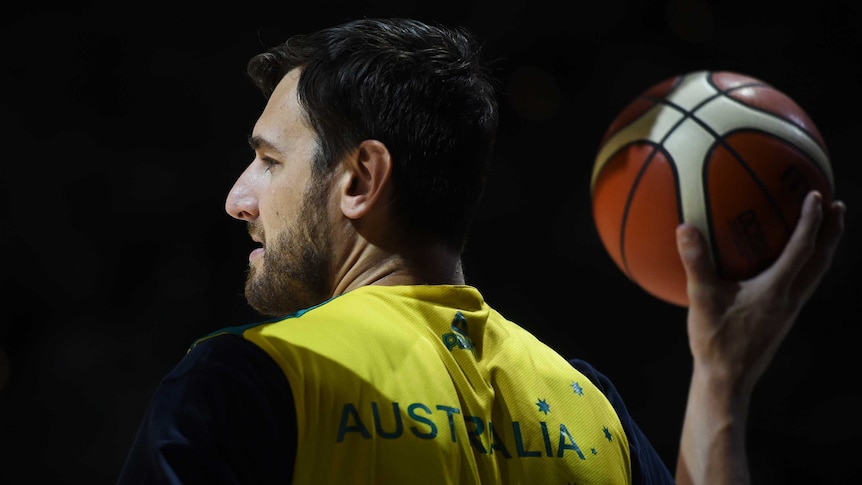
[[366, 179]]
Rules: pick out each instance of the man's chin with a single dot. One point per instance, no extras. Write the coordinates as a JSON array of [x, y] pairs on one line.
[[267, 298], [262, 305]]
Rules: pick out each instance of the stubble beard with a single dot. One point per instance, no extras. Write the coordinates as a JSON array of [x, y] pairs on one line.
[[295, 270]]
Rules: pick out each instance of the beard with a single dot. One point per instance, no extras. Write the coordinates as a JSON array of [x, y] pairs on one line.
[[295, 269]]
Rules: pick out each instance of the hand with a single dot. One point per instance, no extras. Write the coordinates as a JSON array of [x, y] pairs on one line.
[[735, 328]]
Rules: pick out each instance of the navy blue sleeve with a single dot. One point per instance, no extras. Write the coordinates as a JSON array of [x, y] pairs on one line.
[[647, 466], [223, 415]]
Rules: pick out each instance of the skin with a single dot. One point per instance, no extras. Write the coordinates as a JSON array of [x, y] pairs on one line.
[[321, 238], [324, 236], [271, 196], [734, 331]]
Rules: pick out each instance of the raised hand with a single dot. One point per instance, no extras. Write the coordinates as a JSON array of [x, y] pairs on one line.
[[735, 329]]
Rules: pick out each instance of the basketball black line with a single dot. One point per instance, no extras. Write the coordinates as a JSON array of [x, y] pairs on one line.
[[720, 141], [788, 227], [654, 99], [760, 84], [686, 114], [718, 93], [656, 147], [755, 130], [630, 196]]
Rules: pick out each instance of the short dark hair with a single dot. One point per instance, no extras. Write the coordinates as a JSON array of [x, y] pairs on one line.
[[422, 89]]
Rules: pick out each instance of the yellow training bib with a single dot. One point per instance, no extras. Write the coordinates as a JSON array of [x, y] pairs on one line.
[[428, 384]]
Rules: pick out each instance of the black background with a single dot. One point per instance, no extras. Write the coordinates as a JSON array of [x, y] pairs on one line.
[[124, 125]]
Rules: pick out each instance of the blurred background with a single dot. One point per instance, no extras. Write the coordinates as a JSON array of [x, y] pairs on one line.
[[125, 125]]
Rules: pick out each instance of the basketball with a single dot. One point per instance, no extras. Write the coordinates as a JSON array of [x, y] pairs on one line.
[[723, 151]]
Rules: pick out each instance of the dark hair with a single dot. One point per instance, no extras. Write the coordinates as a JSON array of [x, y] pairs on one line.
[[421, 89]]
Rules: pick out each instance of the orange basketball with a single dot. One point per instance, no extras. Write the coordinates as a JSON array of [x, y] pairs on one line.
[[723, 151]]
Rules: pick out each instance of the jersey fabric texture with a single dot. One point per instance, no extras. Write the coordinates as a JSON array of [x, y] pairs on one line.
[[388, 384]]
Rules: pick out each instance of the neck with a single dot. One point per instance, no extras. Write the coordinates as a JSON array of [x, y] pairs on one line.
[[371, 265]]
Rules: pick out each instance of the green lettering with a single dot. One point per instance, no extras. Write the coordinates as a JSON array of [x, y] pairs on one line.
[[547, 438], [497, 443], [564, 433], [411, 411], [449, 412], [519, 442], [399, 427], [347, 413], [476, 432]]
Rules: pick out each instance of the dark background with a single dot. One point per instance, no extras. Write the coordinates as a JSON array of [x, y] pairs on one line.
[[124, 126]]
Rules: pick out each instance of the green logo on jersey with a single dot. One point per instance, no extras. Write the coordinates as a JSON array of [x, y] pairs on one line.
[[458, 337]]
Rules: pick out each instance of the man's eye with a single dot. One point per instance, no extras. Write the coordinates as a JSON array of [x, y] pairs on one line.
[[269, 163]]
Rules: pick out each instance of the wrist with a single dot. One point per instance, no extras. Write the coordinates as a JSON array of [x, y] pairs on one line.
[[723, 387]]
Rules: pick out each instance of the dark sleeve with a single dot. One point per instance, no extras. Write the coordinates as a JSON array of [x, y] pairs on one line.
[[223, 415], [647, 466]]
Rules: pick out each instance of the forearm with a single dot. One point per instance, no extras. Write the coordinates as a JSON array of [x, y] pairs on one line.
[[712, 446]]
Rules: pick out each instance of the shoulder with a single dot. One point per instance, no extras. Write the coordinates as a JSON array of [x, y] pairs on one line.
[[221, 373], [647, 465], [224, 353], [224, 396]]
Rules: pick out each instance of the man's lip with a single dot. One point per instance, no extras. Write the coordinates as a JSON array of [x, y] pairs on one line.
[[256, 253]]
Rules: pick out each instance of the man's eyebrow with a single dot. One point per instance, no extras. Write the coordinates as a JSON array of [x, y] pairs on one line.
[[257, 142]]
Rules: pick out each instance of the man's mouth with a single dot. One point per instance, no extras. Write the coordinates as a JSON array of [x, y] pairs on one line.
[[256, 236], [255, 254]]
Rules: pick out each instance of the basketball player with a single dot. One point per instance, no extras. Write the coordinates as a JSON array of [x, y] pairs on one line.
[[378, 364]]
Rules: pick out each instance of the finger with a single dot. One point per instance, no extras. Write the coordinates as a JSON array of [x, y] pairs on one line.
[[693, 252], [821, 260], [834, 227], [696, 260], [802, 242]]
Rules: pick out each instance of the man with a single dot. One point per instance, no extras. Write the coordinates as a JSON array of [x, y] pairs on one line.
[[379, 364]]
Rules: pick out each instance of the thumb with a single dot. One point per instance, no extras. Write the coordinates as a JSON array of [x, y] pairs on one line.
[[696, 260], [692, 251]]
